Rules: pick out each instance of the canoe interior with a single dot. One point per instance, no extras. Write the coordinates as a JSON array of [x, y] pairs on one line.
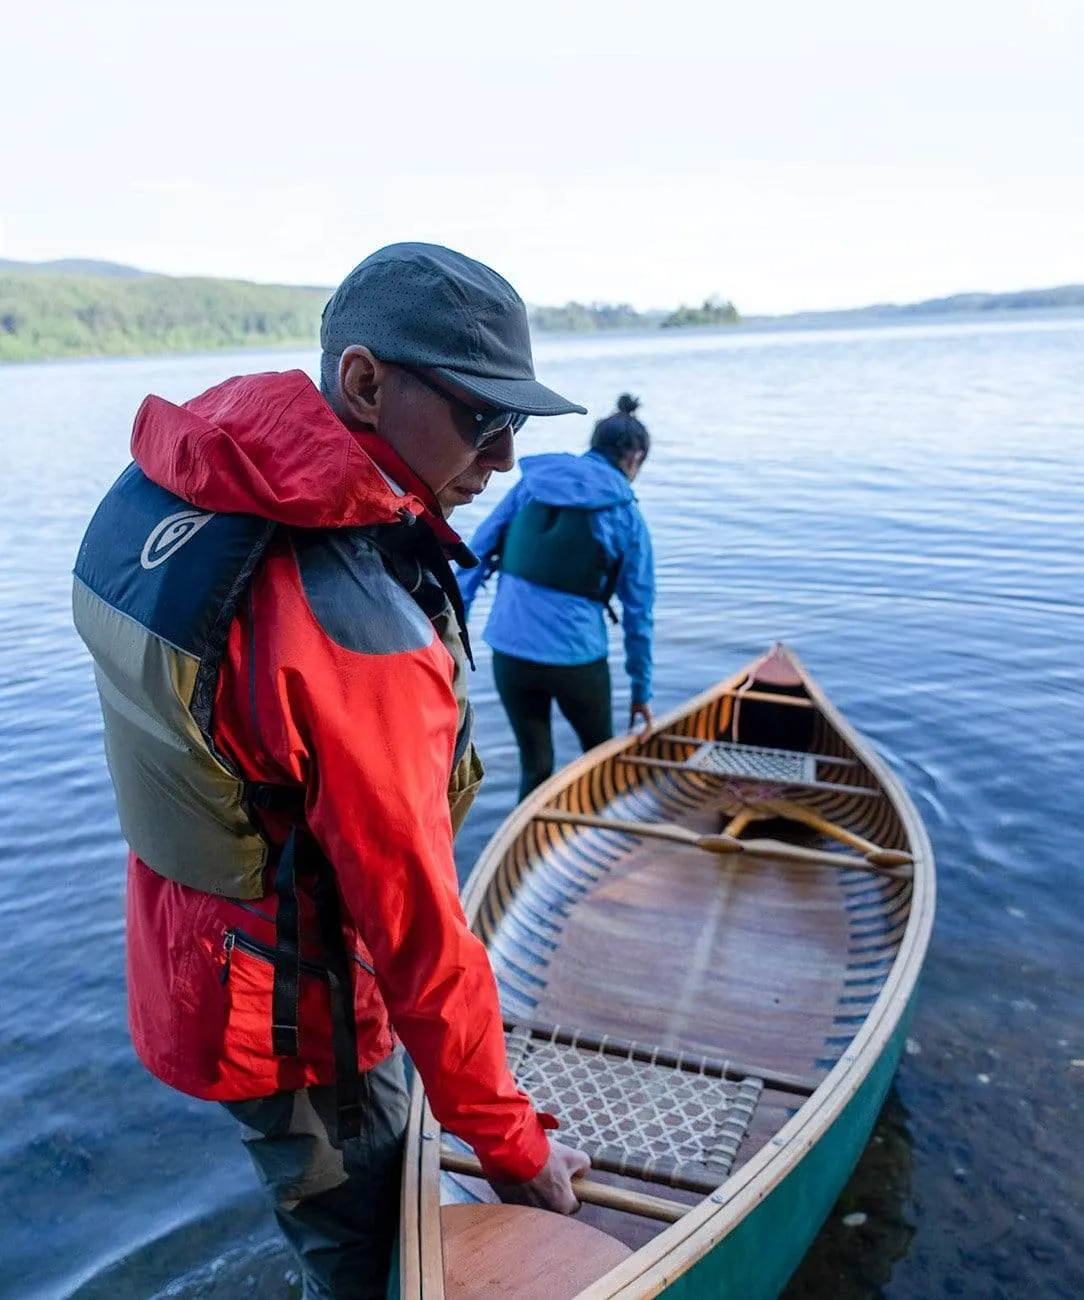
[[764, 962]]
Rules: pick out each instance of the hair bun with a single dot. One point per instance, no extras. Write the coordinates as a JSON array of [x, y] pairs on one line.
[[627, 404]]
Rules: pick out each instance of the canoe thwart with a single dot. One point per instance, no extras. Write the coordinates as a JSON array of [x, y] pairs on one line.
[[587, 1190], [770, 697]]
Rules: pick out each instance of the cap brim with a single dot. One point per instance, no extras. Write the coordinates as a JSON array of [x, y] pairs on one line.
[[525, 396]]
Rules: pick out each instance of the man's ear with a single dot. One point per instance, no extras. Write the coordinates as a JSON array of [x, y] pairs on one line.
[[361, 384]]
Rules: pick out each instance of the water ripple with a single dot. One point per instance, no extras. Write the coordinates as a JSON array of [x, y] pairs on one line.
[[905, 505]]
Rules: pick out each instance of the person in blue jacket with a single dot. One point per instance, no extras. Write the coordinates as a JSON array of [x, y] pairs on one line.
[[567, 539]]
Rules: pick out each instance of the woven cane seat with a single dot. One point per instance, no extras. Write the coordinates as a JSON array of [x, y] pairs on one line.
[[757, 761], [646, 1120]]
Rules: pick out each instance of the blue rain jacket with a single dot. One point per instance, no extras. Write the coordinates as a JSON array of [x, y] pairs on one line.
[[554, 627]]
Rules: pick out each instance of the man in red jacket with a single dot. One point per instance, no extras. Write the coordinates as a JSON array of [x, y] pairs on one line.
[[280, 651]]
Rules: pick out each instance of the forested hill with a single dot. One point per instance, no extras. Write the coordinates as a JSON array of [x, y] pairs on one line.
[[45, 314]]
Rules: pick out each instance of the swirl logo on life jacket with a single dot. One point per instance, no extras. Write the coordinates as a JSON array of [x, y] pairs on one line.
[[170, 534]]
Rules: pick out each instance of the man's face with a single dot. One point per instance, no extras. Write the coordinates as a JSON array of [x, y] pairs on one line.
[[434, 432]]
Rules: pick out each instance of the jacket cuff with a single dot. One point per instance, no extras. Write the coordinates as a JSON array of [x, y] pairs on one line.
[[519, 1161]]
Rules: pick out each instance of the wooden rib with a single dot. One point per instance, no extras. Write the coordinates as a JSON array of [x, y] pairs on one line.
[[675, 739], [676, 766], [587, 1191], [712, 1066], [808, 817], [724, 844]]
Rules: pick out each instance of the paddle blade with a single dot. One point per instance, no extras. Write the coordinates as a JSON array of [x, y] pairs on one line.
[[720, 843], [889, 858]]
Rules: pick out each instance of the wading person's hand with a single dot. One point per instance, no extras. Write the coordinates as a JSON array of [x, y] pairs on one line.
[[640, 717], [551, 1188]]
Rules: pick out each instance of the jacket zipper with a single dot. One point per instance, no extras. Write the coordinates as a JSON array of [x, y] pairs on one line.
[[264, 952], [261, 951]]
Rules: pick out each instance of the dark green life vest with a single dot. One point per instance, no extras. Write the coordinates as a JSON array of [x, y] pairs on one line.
[[553, 546]]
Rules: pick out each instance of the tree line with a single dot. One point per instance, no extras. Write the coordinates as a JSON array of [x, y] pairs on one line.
[[47, 315]]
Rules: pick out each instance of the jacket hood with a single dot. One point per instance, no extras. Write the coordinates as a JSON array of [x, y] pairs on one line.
[[588, 481], [266, 445]]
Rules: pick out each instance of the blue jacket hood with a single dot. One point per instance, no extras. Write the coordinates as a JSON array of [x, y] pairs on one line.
[[588, 481]]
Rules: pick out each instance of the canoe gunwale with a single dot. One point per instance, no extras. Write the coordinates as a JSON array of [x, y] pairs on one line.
[[650, 1270]]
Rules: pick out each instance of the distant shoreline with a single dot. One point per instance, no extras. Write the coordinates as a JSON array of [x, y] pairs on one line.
[[72, 309]]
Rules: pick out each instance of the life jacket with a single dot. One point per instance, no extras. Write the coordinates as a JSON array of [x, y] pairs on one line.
[[157, 586], [554, 546]]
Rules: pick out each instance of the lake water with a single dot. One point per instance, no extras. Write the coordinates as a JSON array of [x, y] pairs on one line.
[[904, 506]]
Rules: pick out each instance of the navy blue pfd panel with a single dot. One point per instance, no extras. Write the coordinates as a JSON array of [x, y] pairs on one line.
[[164, 563], [176, 570]]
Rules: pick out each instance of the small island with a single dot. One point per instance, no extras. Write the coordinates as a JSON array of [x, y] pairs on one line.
[[713, 311]]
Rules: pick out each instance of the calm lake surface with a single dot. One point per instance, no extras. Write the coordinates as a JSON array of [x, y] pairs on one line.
[[903, 505]]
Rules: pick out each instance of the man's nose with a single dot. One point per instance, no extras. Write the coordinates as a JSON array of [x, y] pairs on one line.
[[500, 455]]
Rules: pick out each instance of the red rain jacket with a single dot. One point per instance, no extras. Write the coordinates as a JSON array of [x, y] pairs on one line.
[[371, 738]]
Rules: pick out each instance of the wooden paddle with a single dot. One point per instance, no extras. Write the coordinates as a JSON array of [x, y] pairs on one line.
[[797, 812], [723, 843]]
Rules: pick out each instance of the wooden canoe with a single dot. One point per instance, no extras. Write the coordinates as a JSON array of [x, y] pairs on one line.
[[707, 944]]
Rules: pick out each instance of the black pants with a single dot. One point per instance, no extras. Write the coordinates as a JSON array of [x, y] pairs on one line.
[[528, 690]]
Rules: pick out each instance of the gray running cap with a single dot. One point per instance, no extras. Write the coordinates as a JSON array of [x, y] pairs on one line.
[[424, 305]]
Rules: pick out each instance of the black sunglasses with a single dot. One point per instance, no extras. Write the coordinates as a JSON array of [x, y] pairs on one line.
[[488, 425]]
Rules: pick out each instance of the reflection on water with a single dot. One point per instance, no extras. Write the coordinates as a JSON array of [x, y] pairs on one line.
[[905, 507], [869, 1228]]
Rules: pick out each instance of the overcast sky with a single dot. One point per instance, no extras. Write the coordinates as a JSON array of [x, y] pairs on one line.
[[784, 153]]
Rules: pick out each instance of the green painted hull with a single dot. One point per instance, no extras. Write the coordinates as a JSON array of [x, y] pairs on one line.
[[755, 1261]]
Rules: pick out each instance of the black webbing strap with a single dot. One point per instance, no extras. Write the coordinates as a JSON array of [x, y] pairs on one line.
[[286, 801], [287, 968], [344, 1030], [301, 857]]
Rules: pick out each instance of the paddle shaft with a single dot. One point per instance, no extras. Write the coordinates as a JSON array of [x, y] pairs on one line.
[[722, 844], [740, 820], [587, 1191]]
